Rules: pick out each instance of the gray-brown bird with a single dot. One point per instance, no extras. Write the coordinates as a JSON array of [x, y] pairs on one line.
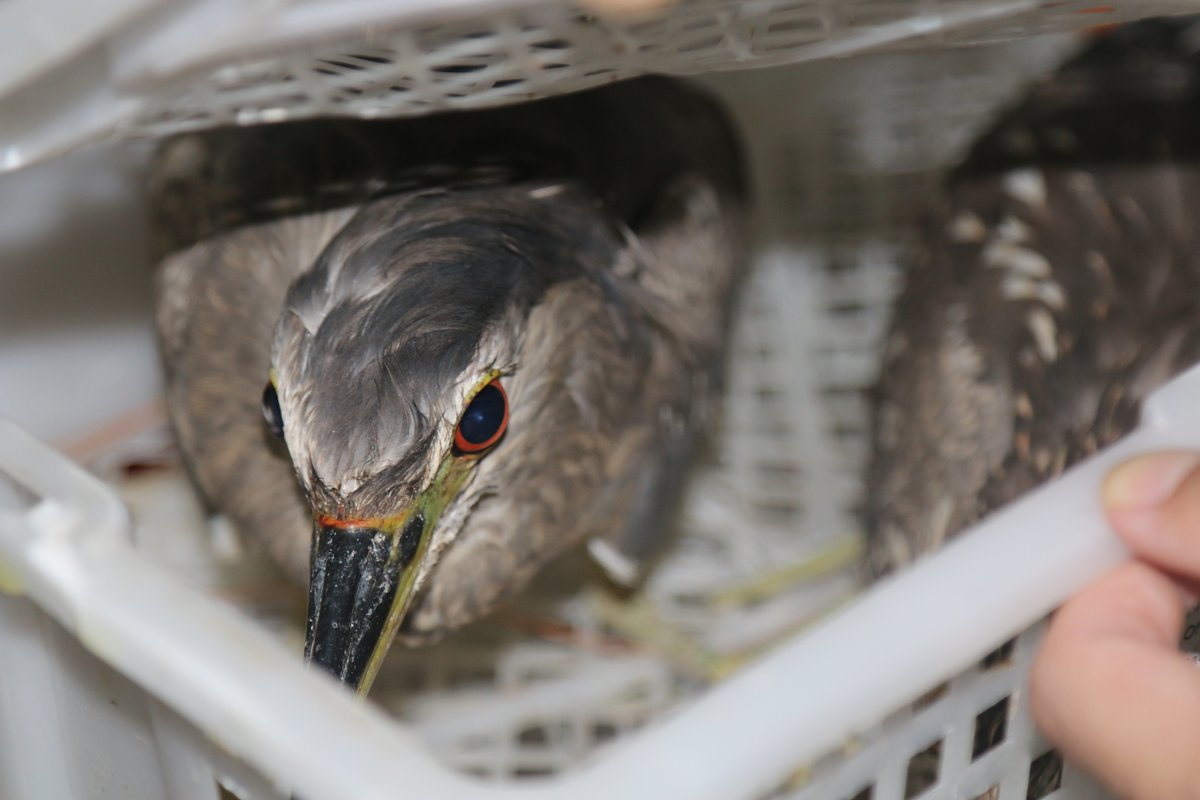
[[1056, 286], [484, 338]]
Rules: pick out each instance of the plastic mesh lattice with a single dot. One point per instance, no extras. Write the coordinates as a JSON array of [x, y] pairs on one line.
[[476, 60], [972, 738]]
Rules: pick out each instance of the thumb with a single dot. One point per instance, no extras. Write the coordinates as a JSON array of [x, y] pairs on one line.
[[1153, 502]]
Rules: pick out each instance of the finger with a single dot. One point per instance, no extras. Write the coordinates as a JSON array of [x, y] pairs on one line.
[[1153, 502], [1110, 689]]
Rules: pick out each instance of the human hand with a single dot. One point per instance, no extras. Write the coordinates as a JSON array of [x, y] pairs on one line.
[[1109, 687]]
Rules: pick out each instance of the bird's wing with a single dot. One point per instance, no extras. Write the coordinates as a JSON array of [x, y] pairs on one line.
[[1055, 287], [688, 257]]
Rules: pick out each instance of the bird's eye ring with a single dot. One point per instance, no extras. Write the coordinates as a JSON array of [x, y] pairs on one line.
[[272, 414], [484, 421]]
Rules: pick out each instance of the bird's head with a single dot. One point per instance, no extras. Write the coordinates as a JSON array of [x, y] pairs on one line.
[[388, 386]]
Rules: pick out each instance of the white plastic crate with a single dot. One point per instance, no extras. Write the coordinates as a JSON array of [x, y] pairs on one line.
[[838, 148]]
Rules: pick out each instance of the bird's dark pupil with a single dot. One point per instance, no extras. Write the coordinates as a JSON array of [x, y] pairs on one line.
[[483, 416], [271, 411]]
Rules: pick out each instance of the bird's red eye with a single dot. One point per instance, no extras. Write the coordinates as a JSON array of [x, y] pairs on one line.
[[484, 421]]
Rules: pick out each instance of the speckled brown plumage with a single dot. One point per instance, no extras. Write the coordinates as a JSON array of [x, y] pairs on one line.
[[1049, 292]]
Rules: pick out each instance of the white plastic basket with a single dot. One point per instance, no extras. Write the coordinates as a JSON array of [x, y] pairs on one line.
[[125, 677]]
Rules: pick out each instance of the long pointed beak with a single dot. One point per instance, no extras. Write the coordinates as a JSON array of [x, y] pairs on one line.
[[360, 588], [362, 579]]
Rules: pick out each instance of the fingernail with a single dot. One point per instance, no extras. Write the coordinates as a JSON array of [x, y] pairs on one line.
[[1146, 481]]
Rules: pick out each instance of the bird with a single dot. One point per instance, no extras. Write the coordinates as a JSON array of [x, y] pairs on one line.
[[1055, 284], [414, 360]]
